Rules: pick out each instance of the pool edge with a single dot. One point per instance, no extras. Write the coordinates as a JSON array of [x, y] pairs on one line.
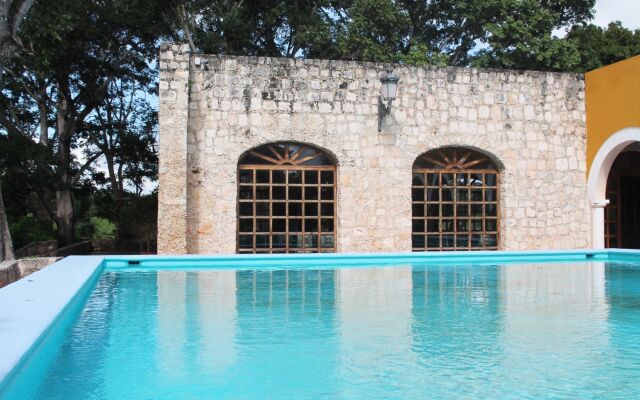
[[25, 322], [32, 307]]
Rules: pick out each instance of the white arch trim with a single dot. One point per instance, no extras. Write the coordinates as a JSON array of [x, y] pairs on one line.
[[597, 181]]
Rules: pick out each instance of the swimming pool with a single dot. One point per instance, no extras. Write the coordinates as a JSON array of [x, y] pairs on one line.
[[485, 325]]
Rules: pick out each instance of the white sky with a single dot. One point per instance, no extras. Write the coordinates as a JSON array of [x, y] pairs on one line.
[[625, 11]]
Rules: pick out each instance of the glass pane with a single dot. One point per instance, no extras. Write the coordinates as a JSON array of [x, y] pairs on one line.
[[417, 194], [462, 194], [490, 179], [262, 192], [245, 192], [295, 176], [278, 176], [279, 209], [310, 240], [476, 210], [246, 225], [433, 210], [311, 209], [476, 225], [476, 194], [462, 210], [311, 225], [447, 194], [447, 210], [433, 179], [490, 194], [461, 180], [462, 225], [418, 179], [418, 210], [448, 240], [310, 177], [295, 241], [295, 193], [462, 241], [327, 241], [245, 209], [433, 225], [295, 225], [262, 209], [491, 225], [326, 225], [279, 241], [475, 180], [447, 179], [417, 225], [279, 225], [433, 241], [310, 193], [262, 225], [262, 176], [612, 212], [417, 241], [491, 210], [245, 176], [279, 192], [246, 241], [491, 240], [476, 240], [326, 177], [295, 209], [446, 225], [433, 194], [326, 209], [262, 241], [326, 193]]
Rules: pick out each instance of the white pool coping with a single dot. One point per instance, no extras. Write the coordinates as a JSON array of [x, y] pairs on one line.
[[30, 307]]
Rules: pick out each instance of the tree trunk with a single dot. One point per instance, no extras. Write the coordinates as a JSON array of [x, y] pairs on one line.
[[6, 246], [64, 216], [64, 200]]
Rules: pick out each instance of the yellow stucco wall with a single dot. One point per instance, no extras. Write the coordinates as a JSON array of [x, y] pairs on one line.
[[613, 102]]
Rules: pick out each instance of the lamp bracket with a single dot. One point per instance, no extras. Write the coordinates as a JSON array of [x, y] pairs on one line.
[[383, 110]]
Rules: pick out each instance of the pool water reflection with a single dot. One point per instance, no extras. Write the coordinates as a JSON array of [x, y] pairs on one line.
[[415, 331]]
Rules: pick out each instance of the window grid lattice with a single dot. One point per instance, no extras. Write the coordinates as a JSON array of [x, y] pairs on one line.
[[286, 209], [455, 209]]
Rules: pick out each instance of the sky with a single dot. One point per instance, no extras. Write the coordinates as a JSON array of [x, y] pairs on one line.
[[625, 11]]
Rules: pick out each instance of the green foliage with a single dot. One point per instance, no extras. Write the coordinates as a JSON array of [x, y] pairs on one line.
[[487, 33], [597, 47], [28, 229], [95, 228]]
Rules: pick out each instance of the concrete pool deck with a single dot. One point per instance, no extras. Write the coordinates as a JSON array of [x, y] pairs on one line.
[[34, 310]]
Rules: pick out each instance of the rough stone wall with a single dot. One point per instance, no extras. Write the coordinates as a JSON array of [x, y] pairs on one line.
[[172, 175], [532, 123]]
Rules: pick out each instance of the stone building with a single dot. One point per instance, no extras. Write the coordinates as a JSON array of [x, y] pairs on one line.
[[282, 155]]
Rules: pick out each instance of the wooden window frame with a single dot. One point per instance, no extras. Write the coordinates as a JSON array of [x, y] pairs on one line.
[[326, 240], [455, 166]]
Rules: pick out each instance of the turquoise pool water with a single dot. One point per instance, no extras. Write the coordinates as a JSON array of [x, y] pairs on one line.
[[539, 331]]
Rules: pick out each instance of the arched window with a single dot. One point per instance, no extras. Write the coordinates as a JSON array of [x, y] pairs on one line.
[[455, 201], [286, 200]]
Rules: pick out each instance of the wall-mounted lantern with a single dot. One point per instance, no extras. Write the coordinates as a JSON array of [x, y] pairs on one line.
[[389, 88]]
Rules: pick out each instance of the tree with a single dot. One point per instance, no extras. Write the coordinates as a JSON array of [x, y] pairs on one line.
[[12, 13], [124, 130], [76, 51], [491, 33], [598, 46]]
